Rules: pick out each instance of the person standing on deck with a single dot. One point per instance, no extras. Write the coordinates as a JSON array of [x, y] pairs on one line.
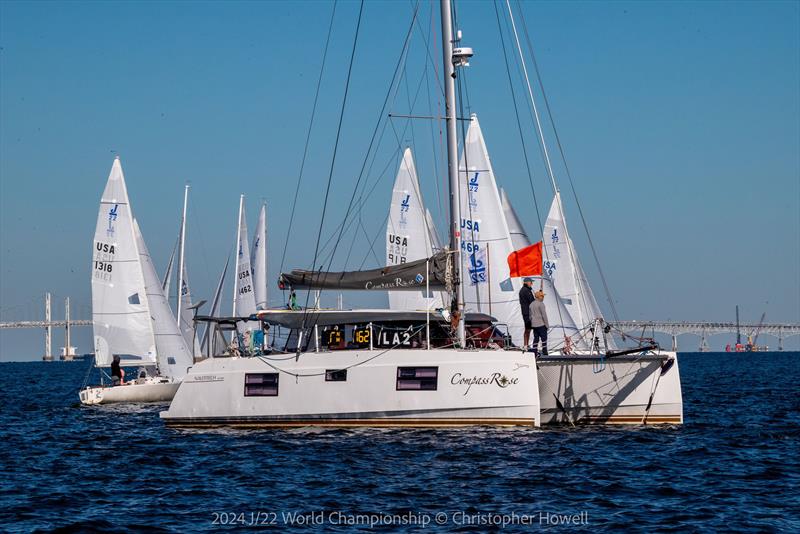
[[525, 301], [539, 322]]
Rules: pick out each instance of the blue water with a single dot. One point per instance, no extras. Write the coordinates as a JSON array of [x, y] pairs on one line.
[[734, 465]]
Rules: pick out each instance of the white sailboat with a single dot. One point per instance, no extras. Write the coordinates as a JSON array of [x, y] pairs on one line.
[[259, 260], [410, 235], [123, 312], [372, 367]]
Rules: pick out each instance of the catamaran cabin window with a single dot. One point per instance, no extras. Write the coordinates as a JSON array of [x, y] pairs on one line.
[[417, 378], [336, 375], [261, 385]]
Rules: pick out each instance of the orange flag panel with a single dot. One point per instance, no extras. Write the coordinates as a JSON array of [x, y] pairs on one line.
[[526, 261]]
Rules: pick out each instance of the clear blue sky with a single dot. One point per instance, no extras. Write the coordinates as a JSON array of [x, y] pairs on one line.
[[680, 121]]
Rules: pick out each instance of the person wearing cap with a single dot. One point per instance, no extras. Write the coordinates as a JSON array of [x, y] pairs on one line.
[[539, 322], [525, 301]]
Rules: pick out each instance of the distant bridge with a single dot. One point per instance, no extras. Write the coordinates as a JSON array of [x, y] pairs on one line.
[[703, 330]]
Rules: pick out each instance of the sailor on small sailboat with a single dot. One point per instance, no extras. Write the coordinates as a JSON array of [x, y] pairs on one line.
[[131, 317]]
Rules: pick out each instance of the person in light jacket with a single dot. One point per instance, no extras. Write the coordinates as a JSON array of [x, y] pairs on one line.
[[539, 323]]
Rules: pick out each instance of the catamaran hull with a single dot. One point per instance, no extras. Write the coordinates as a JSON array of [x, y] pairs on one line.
[[129, 393], [632, 390], [471, 388]]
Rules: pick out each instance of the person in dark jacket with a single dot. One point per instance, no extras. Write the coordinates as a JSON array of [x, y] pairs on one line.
[[539, 323], [117, 372], [525, 301]]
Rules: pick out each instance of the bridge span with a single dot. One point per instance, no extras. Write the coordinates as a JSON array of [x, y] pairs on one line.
[[705, 329]]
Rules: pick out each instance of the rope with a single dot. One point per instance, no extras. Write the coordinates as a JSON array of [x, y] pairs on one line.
[[566, 167]]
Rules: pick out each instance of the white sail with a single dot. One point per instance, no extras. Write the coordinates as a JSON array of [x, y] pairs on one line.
[[244, 302], [519, 238], [166, 281], [561, 322], [215, 309], [485, 239], [187, 315], [435, 241], [409, 234], [562, 266], [173, 355], [259, 260], [120, 312]]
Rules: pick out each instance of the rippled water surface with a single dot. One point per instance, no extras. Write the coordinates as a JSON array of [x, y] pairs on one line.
[[734, 464]]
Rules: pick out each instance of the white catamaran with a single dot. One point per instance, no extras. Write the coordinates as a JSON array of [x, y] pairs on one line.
[[130, 314], [417, 368]]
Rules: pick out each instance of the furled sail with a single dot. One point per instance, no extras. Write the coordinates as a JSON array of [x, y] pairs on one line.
[[120, 312], [408, 276], [259, 260], [485, 239], [244, 302], [409, 235], [173, 355]]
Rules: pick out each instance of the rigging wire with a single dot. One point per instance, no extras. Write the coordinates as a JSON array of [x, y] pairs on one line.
[[519, 123], [374, 134], [566, 166], [335, 150], [308, 135]]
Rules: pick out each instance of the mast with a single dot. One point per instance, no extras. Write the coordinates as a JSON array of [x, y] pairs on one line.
[[450, 61], [180, 254]]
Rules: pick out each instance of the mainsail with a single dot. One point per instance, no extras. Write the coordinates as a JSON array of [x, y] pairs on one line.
[[485, 239], [259, 260], [173, 355], [120, 311], [244, 302], [410, 235]]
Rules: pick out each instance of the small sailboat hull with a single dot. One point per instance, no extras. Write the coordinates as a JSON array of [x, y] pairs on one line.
[[144, 390], [632, 389], [451, 388]]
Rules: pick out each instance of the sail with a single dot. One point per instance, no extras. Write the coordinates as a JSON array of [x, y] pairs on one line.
[[562, 266], [173, 355], [259, 260], [561, 323], [409, 276], [120, 312], [165, 282], [485, 239], [519, 238], [215, 309], [244, 302], [409, 235], [187, 315]]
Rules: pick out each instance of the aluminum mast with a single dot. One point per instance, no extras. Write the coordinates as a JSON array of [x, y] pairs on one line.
[[451, 60]]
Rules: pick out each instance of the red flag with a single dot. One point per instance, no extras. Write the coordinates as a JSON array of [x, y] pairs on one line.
[[526, 261]]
